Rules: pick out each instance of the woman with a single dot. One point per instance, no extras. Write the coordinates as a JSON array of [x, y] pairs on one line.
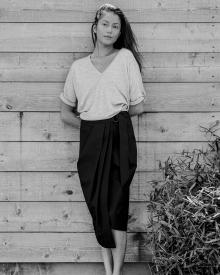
[[101, 92]]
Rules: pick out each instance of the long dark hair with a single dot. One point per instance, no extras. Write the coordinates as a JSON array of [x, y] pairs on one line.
[[126, 39]]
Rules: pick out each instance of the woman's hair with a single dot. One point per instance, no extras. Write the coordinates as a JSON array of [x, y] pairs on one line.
[[126, 39]]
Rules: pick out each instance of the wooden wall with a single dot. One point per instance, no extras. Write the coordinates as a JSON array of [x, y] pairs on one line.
[[43, 216]]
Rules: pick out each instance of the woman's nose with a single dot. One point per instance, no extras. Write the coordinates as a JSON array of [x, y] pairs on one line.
[[109, 29]]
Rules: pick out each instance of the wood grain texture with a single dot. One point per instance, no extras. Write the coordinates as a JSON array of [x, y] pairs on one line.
[[161, 97], [48, 126], [63, 156], [87, 268], [157, 67], [61, 217], [64, 186], [65, 247], [136, 11], [69, 37]]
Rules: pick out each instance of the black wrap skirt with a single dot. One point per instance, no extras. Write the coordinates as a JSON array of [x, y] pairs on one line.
[[106, 166]]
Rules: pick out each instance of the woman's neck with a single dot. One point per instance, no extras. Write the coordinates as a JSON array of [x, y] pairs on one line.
[[102, 52]]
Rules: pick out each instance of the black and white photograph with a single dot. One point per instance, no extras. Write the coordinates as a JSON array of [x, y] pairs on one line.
[[110, 137]]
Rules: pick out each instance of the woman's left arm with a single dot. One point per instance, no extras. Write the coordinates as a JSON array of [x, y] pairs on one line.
[[137, 109]]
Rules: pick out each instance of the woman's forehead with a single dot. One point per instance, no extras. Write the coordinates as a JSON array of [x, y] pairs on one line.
[[110, 17]]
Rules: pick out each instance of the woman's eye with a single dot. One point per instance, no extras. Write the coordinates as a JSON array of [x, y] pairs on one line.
[[104, 24]]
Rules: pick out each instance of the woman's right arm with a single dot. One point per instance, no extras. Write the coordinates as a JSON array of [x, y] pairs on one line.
[[69, 115]]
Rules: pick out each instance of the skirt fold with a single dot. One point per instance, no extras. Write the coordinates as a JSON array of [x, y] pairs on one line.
[[106, 166]]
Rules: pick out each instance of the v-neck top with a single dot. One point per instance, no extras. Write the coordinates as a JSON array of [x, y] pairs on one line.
[[101, 95]]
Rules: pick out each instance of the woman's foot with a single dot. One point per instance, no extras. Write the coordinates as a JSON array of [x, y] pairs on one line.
[[118, 273]]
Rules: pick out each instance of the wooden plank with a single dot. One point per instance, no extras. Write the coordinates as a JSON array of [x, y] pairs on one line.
[[135, 11], [152, 155], [63, 186], [50, 127], [176, 126], [157, 66], [161, 97], [151, 127], [177, 97], [181, 67], [62, 217], [63, 156], [151, 37], [30, 96], [29, 67], [66, 247], [9, 126], [69, 268], [47, 126]]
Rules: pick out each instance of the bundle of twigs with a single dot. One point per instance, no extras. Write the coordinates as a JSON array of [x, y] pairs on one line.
[[185, 214]]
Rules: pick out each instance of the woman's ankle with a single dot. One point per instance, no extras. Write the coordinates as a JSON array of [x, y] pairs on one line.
[[118, 272]]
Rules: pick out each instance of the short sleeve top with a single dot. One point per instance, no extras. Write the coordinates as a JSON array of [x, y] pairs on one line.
[[101, 95]]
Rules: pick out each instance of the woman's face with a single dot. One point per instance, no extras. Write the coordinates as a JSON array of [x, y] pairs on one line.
[[108, 28]]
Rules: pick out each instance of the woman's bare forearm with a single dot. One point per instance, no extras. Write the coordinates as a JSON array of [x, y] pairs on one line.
[[137, 109], [134, 113], [71, 119]]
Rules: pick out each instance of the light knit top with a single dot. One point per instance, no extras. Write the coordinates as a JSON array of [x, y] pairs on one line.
[[101, 95]]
